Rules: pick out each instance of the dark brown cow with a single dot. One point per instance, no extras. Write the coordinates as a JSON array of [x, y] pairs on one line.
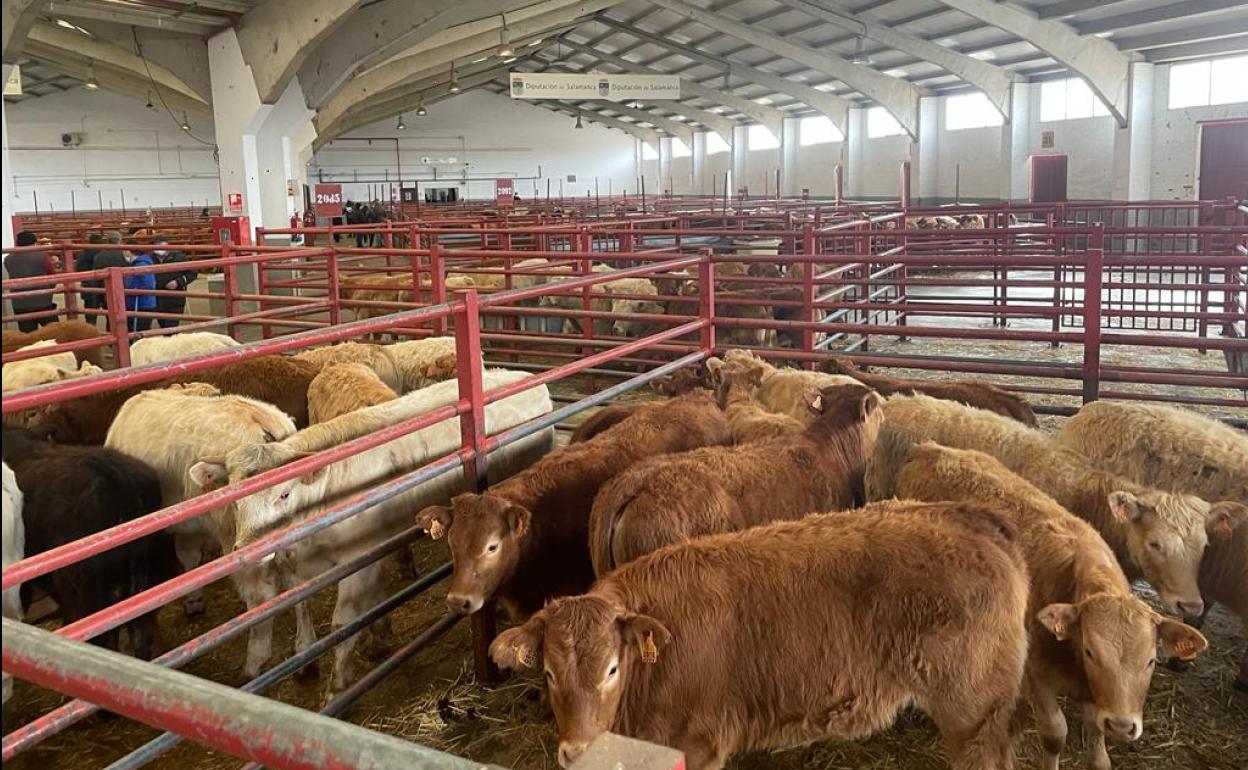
[[279, 380], [60, 331], [795, 632], [72, 492], [526, 539], [667, 500], [982, 395]]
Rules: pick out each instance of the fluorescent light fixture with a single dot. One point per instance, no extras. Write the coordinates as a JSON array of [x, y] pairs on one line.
[[401, 125], [92, 84]]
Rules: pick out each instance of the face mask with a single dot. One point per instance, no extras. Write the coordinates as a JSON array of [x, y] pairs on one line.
[[160, 252]]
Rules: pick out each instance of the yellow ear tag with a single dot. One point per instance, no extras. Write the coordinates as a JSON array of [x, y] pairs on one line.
[[526, 655], [649, 652], [1186, 650]]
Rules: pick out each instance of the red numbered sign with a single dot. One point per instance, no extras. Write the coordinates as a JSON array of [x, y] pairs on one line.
[[234, 201], [327, 200], [504, 191]]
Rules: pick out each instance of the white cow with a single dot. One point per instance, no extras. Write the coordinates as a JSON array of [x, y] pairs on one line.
[[149, 350], [280, 505], [14, 542], [18, 375]]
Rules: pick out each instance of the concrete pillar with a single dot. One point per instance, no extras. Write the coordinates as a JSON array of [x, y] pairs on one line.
[[1133, 145], [7, 170], [1016, 144], [790, 141], [856, 152], [698, 163], [740, 147], [665, 164], [259, 145], [923, 153]]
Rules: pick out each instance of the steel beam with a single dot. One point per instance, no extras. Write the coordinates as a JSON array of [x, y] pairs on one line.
[[768, 116], [835, 108], [380, 30], [1153, 15], [992, 80], [19, 17], [717, 123], [126, 15], [644, 134], [277, 35], [1182, 35], [442, 50], [897, 96], [1224, 45], [1105, 68]]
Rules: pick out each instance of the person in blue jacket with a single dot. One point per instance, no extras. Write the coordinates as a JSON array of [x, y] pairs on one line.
[[140, 302]]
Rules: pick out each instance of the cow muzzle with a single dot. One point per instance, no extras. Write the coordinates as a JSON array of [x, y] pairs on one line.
[[463, 603], [569, 752], [1122, 728]]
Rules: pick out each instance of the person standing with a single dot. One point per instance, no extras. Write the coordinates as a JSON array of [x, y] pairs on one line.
[[111, 256], [175, 280], [27, 264], [144, 282], [86, 261]]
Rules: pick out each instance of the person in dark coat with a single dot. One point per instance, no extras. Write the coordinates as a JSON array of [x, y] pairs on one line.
[[110, 256], [86, 261], [175, 280], [27, 264]]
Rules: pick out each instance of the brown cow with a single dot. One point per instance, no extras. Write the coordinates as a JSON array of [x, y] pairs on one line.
[[60, 331], [1092, 640], [982, 395], [795, 632], [280, 380], [667, 500], [526, 539], [679, 382], [748, 420]]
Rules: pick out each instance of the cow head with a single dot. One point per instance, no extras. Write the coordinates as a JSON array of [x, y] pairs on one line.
[[634, 327], [1115, 637], [1166, 537], [682, 381], [736, 384], [486, 534], [846, 406], [588, 646], [268, 509]]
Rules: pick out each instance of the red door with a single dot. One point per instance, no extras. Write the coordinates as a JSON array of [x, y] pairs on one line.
[[1048, 178], [1224, 160]]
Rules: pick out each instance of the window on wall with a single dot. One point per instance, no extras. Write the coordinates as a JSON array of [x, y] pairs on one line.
[[680, 149], [971, 111], [761, 138], [715, 144], [648, 152], [1069, 99], [881, 123], [817, 130], [1198, 83]]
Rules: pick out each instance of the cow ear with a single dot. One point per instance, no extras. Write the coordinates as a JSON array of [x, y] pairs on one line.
[[648, 634], [1060, 619], [815, 401], [210, 473], [713, 364], [1224, 517], [1179, 639], [518, 519], [436, 520], [1130, 509], [869, 403], [519, 647]]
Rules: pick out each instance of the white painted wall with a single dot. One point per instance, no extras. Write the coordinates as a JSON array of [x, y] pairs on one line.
[[125, 147], [489, 135], [815, 164], [1176, 144], [881, 164]]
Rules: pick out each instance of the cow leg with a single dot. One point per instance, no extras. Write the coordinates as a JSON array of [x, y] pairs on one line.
[[356, 595], [1050, 723], [976, 739], [189, 548], [702, 754], [1098, 757], [406, 562], [305, 637], [257, 585]]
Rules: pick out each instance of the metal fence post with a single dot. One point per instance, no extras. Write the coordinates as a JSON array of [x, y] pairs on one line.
[[808, 293], [262, 287], [114, 285], [231, 290], [706, 302], [472, 441], [1092, 285], [437, 280], [335, 286]]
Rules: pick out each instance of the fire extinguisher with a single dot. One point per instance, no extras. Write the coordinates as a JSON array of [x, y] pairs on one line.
[[296, 221]]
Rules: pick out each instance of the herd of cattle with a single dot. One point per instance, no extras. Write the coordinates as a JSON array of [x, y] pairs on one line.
[[764, 558]]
